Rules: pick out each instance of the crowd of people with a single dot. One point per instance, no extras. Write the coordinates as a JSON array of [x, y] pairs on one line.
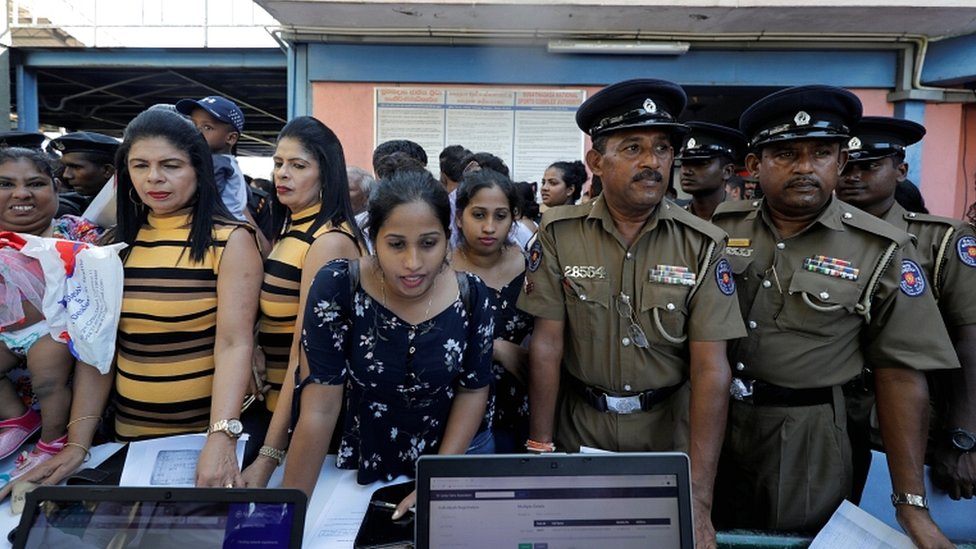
[[779, 324]]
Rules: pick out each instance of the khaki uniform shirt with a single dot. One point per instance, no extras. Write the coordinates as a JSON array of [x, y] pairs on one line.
[[819, 304], [674, 275], [946, 251]]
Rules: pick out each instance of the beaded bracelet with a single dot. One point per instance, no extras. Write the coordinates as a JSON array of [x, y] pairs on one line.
[[539, 447]]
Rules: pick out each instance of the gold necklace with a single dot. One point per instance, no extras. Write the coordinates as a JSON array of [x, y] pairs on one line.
[[430, 300]]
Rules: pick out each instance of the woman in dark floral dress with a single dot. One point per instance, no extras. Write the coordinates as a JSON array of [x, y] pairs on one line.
[[409, 339]]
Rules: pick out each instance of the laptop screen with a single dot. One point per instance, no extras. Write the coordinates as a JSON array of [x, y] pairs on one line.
[[557, 508], [151, 519]]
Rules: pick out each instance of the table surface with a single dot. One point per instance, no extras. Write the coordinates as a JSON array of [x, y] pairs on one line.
[[330, 478]]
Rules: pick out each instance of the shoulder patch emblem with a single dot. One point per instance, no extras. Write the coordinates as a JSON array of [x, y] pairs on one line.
[[912, 278], [724, 278], [535, 256], [966, 246]]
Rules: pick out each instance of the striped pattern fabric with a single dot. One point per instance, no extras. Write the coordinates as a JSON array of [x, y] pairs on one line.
[[167, 331], [280, 295]]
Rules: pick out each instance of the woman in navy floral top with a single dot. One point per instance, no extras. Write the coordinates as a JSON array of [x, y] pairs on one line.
[[414, 356], [487, 203]]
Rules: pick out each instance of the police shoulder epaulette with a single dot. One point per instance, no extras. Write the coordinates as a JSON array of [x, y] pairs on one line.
[[868, 223], [560, 213], [689, 219], [736, 207], [929, 218]]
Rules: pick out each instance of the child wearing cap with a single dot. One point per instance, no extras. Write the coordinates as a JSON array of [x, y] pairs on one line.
[[221, 122]]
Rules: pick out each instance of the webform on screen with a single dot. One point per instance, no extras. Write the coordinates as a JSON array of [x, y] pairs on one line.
[[555, 512]]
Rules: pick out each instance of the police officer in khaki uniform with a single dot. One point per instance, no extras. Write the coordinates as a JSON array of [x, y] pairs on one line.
[[824, 288], [946, 252], [633, 297], [708, 159]]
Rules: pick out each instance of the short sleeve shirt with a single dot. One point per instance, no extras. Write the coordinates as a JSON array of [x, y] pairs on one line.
[[672, 283], [946, 251], [804, 298]]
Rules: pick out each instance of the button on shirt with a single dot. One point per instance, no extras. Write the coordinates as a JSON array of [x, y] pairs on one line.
[[599, 348], [808, 328]]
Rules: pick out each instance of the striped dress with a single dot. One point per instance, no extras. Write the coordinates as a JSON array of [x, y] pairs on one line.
[[167, 331], [280, 294]]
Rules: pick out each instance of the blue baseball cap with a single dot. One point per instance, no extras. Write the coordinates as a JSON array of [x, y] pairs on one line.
[[221, 108]]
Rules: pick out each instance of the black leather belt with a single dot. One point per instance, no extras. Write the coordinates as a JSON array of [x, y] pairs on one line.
[[760, 393], [622, 404]]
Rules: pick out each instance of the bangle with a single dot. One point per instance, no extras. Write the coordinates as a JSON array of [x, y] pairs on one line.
[[273, 453], [913, 500], [82, 418], [87, 451], [539, 447]]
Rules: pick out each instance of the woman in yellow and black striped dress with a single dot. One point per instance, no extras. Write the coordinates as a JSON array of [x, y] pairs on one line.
[[311, 182], [192, 277]]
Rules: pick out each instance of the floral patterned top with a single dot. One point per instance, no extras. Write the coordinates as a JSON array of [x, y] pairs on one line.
[[400, 378], [511, 324]]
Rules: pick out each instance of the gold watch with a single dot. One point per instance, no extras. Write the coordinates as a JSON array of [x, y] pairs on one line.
[[230, 427]]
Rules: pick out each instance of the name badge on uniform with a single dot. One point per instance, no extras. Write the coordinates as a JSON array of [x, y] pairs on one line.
[[672, 274], [831, 266], [584, 271], [739, 247]]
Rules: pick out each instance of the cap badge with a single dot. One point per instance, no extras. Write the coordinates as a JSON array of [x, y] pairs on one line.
[[801, 118], [691, 143], [650, 106], [208, 100], [854, 143]]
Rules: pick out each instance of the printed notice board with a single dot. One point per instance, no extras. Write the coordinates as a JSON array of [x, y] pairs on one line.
[[529, 129]]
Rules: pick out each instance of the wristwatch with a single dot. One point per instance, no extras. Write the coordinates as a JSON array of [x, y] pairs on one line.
[[962, 440], [230, 427]]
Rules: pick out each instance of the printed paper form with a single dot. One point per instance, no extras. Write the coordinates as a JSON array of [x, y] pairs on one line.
[[343, 504], [167, 461], [852, 527]]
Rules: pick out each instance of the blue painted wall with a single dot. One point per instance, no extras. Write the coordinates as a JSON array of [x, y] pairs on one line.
[[951, 62], [533, 65]]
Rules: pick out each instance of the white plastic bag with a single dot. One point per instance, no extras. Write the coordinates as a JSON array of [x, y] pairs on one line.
[[82, 295]]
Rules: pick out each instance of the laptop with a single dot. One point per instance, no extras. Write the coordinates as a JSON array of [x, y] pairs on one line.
[[122, 517], [552, 501]]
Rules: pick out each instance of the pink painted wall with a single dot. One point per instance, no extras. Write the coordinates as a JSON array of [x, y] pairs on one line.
[[347, 108], [943, 181]]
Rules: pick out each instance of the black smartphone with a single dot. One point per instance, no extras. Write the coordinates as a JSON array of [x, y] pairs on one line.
[[378, 529]]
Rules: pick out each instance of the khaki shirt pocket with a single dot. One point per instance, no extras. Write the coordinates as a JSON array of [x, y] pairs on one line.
[[664, 312], [819, 305], [588, 306]]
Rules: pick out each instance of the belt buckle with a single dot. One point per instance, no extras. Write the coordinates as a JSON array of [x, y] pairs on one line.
[[623, 405], [741, 389]]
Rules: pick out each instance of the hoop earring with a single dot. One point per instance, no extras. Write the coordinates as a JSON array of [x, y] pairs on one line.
[[135, 198]]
